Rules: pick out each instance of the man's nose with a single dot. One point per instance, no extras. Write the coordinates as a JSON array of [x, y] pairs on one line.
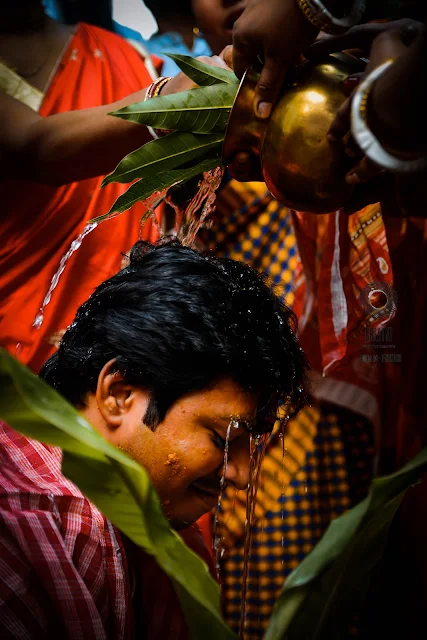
[[237, 471]]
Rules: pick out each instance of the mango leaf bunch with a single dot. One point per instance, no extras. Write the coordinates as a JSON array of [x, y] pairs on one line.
[[198, 121]]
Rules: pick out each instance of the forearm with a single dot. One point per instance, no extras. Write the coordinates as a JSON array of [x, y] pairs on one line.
[[398, 117], [70, 146]]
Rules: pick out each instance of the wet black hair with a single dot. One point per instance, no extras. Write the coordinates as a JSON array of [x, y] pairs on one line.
[[176, 321]]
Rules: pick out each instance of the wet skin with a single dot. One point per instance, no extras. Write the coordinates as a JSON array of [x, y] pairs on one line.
[[184, 454]]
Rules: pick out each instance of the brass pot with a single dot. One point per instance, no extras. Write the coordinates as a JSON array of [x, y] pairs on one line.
[[301, 168]]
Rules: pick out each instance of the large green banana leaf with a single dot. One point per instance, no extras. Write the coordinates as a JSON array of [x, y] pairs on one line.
[[145, 188], [116, 484], [199, 110], [164, 154], [327, 588], [201, 73]]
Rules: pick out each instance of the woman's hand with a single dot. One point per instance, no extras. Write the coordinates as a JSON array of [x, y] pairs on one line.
[[277, 31], [383, 42], [362, 37], [399, 195], [182, 83], [76, 145]]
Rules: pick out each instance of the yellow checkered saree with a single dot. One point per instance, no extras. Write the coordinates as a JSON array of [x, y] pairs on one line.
[[324, 464]]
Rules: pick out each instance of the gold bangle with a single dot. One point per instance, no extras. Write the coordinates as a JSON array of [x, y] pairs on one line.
[[321, 18], [363, 109], [153, 91], [160, 86], [155, 87], [310, 15]]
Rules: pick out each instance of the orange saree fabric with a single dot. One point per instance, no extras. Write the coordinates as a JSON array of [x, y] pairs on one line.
[[38, 223], [372, 352]]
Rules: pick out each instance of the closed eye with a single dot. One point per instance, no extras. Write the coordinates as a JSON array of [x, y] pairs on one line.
[[218, 441]]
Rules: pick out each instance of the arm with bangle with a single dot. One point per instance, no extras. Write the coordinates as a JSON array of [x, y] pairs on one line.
[[389, 111], [332, 16], [74, 145], [336, 16], [399, 99]]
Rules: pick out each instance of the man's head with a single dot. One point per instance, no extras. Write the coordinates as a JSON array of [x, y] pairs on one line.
[[165, 354]]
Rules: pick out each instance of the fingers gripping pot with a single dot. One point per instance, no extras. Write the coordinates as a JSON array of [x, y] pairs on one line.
[[301, 168]]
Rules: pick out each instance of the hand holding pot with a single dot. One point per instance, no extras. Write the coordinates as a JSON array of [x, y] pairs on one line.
[[302, 169], [380, 42], [276, 31]]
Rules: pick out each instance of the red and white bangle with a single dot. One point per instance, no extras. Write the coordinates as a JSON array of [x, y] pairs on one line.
[[156, 86], [152, 92]]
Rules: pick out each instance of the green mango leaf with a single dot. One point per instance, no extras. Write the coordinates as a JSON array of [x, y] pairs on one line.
[[201, 73], [117, 485], [164, 154], [322, 594], [199, 110], [145, 188]]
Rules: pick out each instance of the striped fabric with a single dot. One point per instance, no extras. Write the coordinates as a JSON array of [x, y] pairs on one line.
[[62, 569]]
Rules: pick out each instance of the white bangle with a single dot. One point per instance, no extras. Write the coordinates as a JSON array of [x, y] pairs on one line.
[[369, 144], [329, 23]]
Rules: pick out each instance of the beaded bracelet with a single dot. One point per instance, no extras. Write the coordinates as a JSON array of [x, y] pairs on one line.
[[321, 18], [310, 15], [367, 141], [152, 92]]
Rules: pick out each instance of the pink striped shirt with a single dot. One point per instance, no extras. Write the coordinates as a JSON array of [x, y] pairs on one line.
[[63, 571]]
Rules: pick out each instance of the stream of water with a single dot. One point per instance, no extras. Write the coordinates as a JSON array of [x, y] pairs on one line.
[[218, 549], [189, 221], [38, 320], [193, 219], [257, 449]]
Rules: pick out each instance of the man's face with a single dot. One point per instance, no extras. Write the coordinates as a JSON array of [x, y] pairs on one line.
[[215, 18], [184, 455]]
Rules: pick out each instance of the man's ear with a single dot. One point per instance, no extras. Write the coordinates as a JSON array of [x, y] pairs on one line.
[[114, 396]]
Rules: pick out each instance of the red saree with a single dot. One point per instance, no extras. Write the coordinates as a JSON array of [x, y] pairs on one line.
[[39, 223]]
